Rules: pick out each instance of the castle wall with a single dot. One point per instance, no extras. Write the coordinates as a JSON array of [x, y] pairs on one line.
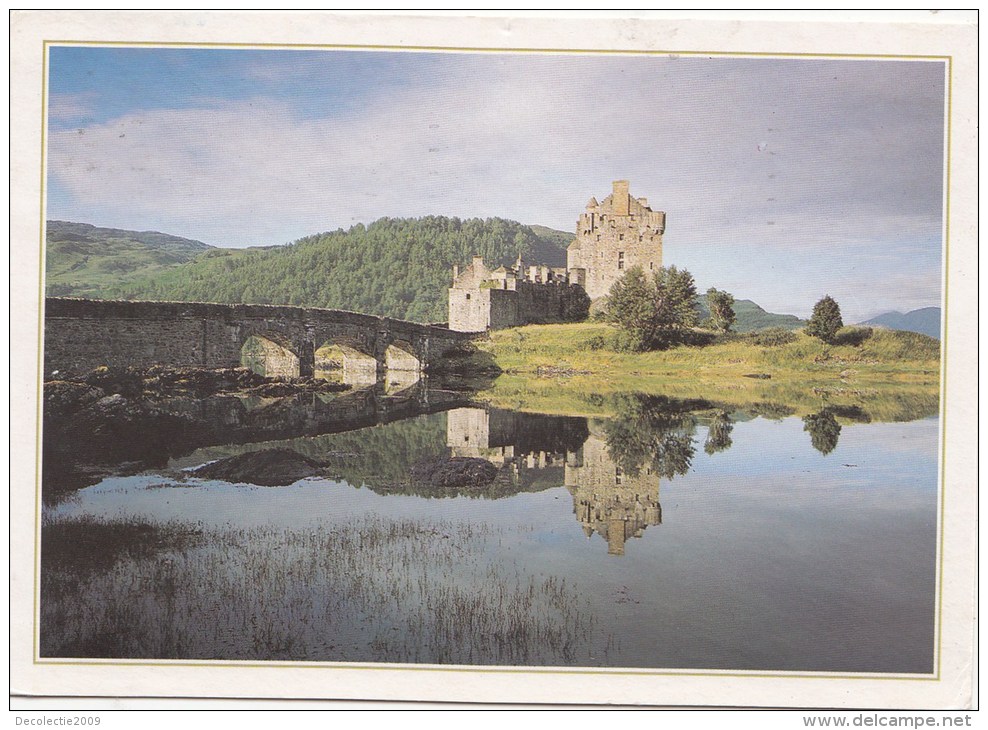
[[477, 310], [469, 309], [546, 304]]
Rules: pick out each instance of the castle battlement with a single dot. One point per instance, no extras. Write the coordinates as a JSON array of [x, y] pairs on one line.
[[611, 237]]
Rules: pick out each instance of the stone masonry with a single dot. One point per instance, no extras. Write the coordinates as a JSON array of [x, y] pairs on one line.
[[482, 299], [82, 334], [611, 237]]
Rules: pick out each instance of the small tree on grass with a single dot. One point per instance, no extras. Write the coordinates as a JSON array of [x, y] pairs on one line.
[[654, 312], [721, 305], [825, 321]]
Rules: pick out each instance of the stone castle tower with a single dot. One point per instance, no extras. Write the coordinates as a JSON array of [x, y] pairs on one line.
[[613, 236]]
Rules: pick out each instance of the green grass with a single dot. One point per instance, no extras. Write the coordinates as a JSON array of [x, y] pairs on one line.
[[573, 368]]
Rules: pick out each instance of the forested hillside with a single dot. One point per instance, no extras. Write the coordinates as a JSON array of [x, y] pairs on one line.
[[85, 261], [394, 267]]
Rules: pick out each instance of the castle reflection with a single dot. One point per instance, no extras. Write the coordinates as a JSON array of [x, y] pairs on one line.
[[609, 501], [547, 451]]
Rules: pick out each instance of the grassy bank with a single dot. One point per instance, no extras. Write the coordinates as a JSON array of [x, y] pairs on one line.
[[571, 369]]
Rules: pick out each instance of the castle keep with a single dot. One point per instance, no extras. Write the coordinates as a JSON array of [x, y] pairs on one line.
[[611, 237]]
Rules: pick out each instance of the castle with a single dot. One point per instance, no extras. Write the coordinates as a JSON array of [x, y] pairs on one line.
[[611, 237]]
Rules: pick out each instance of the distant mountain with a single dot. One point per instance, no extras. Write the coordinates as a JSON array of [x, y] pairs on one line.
[[87, 261], [926, 321], [751, 317]]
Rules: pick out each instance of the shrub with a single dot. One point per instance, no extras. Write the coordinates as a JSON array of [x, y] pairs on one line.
[[853, 336], [772, 337], [721, 306]]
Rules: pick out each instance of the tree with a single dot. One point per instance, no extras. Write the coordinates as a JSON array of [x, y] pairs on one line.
[[721, 305], [654, 312], [826, 320]]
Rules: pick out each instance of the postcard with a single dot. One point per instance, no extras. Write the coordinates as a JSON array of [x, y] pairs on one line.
[[590, 359]]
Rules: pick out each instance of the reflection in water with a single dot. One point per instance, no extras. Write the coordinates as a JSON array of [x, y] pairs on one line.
[[654, 431], [514, 441], [609, 501], [117, 435], [752, 567], [612, 499], [719, 433], [824, 430]]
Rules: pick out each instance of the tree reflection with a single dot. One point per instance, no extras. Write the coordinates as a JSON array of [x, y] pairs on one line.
[[823, 429], [654, 431], [719, 433]]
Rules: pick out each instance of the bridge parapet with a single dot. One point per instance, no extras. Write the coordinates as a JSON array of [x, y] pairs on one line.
[[81, 334]]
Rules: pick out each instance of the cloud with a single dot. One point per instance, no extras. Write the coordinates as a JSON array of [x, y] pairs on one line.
[[773, 155], [67, 108]]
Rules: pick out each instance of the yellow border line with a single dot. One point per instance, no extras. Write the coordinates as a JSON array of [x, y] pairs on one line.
[[943, 359], [482, 49], [39, 409], [646, 672], [489, 669]]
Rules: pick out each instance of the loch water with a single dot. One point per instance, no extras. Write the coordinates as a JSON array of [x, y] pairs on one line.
[[667, 535]]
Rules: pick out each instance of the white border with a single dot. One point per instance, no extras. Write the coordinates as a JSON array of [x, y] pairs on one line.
[[941, 34]]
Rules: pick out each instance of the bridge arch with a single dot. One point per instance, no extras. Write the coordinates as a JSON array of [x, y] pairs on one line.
[[402, 355], [357, 363], [272, 355]]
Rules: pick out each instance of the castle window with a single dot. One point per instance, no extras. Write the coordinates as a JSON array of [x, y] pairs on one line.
[[621, 259], [650, 266], [618, 474], [468, 297], [640, 238], [620, 236]]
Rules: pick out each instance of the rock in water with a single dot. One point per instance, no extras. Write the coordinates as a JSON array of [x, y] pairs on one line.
[[267, 468], [455, 472]]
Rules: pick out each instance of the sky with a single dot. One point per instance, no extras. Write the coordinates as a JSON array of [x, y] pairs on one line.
[[783, 180]]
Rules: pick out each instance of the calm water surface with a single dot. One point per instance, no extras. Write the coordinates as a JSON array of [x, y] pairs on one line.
[[666, 537]]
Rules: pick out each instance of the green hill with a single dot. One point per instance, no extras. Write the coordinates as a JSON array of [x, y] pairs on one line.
[[552, 249], [87, 261], [393, 267], [751, 317]]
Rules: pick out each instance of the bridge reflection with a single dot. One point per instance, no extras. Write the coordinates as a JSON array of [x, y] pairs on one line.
[[95, 441]]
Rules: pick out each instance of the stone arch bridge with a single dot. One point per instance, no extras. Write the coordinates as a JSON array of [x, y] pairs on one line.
[[81, 334]]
